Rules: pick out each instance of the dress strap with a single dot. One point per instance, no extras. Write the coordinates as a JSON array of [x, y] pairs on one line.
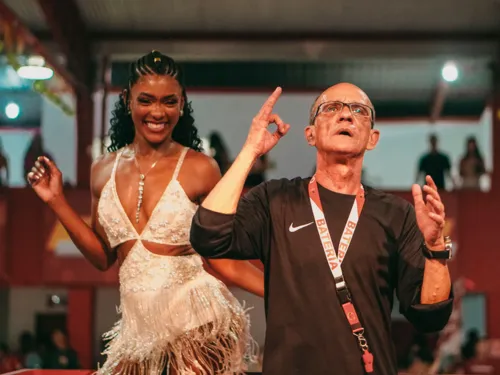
[[179, 163], [115, 165]]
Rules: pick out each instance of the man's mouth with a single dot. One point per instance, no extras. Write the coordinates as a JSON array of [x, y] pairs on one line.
[[345, 132]]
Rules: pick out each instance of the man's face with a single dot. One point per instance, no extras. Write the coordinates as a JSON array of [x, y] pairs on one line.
[[59, 339], [339, 129], [433, 142]]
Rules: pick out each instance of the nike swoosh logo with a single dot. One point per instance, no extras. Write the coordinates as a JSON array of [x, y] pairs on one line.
[[295, 229]]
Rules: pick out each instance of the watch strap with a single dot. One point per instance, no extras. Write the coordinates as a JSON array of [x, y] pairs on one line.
[[444, 254]]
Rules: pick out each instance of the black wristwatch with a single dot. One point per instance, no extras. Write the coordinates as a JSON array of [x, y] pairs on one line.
[[439, 254]]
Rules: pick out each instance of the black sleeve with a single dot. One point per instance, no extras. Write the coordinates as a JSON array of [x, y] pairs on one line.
[[243, 235], [447, 163], [411, 263], [73, 362]]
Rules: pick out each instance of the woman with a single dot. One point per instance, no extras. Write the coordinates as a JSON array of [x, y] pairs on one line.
[[4, 167], [145, 193], [471, 165], [219, 151]]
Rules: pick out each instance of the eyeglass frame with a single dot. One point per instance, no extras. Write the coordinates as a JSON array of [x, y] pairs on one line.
[[372, 111]]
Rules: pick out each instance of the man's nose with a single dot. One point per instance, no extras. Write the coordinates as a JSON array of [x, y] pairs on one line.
[[345, 114]]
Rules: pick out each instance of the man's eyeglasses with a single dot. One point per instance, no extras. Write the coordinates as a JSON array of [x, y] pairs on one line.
[[333, 108]]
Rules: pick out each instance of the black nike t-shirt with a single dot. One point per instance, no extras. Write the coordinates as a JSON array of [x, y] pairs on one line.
[[307, 331]]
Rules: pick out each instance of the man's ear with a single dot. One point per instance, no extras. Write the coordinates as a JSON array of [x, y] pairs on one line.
[[373, 140], [310, 134]]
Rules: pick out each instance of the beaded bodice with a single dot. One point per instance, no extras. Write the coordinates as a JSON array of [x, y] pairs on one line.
[[169, 223], [144, 271]]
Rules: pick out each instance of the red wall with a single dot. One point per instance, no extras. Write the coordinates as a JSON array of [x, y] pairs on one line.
[[3, 240], [28, 228], [27, 262], [479, 244]]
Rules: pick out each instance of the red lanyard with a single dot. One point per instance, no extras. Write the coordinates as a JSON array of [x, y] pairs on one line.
[[335, 261]]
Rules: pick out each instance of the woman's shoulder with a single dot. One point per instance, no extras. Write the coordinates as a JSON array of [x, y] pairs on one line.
[[104, 161], [200, 163], [101, 170]]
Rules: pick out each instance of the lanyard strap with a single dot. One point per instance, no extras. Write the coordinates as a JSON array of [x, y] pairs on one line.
[[335, 261]]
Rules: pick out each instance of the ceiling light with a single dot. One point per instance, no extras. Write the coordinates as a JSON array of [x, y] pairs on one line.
[[12, 111], [35, 69]]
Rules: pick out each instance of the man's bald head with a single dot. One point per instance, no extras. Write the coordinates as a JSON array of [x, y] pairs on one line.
[[342, 92], [342, 130]]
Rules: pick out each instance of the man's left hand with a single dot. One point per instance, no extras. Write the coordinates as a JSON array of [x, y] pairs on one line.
[[430, 214]]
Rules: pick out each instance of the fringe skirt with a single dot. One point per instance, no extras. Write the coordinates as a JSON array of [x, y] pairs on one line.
[[196, 324]]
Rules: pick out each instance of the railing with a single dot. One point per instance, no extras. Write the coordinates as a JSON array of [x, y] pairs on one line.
[[90, 372]]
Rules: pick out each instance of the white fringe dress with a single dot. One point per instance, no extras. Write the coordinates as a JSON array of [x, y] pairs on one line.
[[174, 314]]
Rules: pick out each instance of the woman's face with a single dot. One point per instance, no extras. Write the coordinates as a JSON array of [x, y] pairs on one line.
[[155, 104], [471, 146]]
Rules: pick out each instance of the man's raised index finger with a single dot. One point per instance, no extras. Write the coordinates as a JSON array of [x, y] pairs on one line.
[[268, 106]]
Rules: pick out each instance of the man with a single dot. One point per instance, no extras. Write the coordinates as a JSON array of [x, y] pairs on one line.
[[435, 164], [311, 301]]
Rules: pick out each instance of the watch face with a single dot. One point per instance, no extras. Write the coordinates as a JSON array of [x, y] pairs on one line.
[[447, 243]]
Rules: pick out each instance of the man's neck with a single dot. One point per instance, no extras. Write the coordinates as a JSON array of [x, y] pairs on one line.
[[339, 174]]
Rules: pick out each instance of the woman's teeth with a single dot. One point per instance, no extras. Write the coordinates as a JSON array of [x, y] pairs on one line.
[[155, 126]]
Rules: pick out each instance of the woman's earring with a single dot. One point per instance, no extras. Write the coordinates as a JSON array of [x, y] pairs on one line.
[[182, 112]]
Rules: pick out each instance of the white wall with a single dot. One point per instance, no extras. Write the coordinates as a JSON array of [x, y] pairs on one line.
[[393, 164], [15, 143], [24, 304], [474, 313], [59, 136], [231, 114], [58, 131], [107, 301]]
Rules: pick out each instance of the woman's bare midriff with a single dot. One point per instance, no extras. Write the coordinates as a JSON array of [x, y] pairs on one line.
[[155, 248]]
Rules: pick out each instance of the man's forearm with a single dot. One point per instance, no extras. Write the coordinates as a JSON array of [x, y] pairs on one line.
[[436, 285], [225, 196]]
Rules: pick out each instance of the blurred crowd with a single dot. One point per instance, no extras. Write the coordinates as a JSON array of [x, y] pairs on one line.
[[52, 353]]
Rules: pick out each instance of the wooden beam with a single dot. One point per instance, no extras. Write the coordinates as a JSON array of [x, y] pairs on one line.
[[495, 173], [439, 100], [106, 86], [70, 33], [257, 36], [35, 46]]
